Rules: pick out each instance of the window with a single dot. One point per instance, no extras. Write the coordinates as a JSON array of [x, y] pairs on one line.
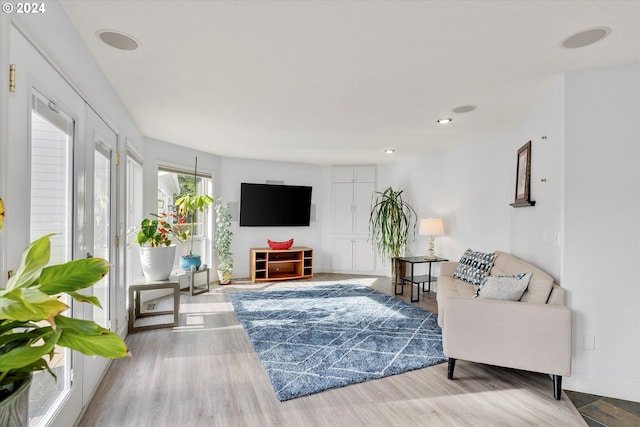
[[172, 183]]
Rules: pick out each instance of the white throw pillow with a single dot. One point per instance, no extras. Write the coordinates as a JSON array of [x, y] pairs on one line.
[[508, 288]]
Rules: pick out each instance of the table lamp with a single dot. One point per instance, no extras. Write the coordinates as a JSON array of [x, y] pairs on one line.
[[431, 227]]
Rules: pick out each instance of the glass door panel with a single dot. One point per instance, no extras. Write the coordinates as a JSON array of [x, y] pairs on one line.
[[102, 228], [51, 212], [101, 224], [135, 214]]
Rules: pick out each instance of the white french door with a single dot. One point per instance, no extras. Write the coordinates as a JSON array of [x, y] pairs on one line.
[[45, 157], [61, 176], [102, 182]]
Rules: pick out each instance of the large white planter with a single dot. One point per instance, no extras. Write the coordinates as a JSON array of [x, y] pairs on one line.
[[157, 263]]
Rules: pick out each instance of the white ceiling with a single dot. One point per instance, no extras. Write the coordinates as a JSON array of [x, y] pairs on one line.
[[332, 82]]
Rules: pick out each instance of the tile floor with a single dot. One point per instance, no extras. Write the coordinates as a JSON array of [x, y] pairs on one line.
[[600, 411]]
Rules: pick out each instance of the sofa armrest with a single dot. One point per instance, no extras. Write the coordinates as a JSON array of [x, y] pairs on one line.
[[558, 295], [447, 268], [532, 337]]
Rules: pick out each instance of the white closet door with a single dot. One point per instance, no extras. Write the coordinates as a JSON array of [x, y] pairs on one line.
[[362, 206], [342, 207]]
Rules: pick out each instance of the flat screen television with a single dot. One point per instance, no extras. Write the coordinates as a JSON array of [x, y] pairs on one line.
[[271, 205]]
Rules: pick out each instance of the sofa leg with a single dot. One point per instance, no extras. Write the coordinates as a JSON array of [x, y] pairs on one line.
[[452, 366], [557, 386]]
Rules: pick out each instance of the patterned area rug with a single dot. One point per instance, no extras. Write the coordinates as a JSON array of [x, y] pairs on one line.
[[321, 337]]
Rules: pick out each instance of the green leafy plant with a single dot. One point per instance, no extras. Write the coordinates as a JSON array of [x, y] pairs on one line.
[[158, 231], [189, 204], [390, 222], [31, 319], [222, 238]]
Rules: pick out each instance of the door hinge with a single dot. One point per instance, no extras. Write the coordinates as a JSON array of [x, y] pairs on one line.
[[71, 375], [117, 241], [117, 158], [117, 326], [12, 78]]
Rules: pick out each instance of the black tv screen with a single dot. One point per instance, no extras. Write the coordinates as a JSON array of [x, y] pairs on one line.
[[269, 205]]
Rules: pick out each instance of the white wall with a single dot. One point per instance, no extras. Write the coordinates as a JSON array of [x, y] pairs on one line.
[[535, 232], [467, 186], [602, 228], [584, 229], [235, 171], [471, 186]]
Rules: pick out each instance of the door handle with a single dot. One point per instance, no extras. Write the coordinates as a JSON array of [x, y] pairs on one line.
[[89, 255]]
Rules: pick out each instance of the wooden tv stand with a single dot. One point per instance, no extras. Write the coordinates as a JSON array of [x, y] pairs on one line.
[[268, 264]]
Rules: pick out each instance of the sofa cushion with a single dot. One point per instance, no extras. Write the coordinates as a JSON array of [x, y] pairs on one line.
[[450, 287], [508, 288], [540, 284], [474, 266]]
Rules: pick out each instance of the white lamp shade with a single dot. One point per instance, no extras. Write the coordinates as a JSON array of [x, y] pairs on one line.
[[431, 226]]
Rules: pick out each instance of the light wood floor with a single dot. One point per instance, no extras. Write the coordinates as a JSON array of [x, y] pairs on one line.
[[206, 373]]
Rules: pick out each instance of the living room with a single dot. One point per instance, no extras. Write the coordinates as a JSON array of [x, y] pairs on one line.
[[585, 167]]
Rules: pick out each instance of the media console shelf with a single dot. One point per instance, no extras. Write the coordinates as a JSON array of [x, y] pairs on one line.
[[281, 264]]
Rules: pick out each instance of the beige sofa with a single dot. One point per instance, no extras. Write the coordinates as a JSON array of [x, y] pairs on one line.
[[533, 334]]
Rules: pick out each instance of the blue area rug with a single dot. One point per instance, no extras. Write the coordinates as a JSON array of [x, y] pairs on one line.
[[316, 338]]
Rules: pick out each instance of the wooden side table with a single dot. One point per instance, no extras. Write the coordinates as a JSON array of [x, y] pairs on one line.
[[417, 280], [135, 290], [196, 281]]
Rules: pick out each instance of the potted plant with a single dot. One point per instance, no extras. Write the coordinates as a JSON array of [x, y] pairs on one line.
[[390, 221], [156, 250], [188, 206], [222, 243], [32, 324]]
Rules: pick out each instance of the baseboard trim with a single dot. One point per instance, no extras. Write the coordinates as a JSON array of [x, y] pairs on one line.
[[626, 390]]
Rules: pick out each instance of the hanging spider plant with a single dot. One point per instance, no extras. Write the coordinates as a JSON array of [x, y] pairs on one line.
[[390, 222]]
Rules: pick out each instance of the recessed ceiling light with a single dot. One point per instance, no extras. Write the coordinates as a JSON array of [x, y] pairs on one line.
[[444, 120], [117, 39], [585, 37], [390, 150], [464, 108]]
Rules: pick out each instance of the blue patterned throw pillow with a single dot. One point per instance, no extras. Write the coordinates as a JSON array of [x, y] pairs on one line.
[[474, 266]]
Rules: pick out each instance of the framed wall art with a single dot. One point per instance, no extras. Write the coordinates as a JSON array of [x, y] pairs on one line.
[[523, 177]]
